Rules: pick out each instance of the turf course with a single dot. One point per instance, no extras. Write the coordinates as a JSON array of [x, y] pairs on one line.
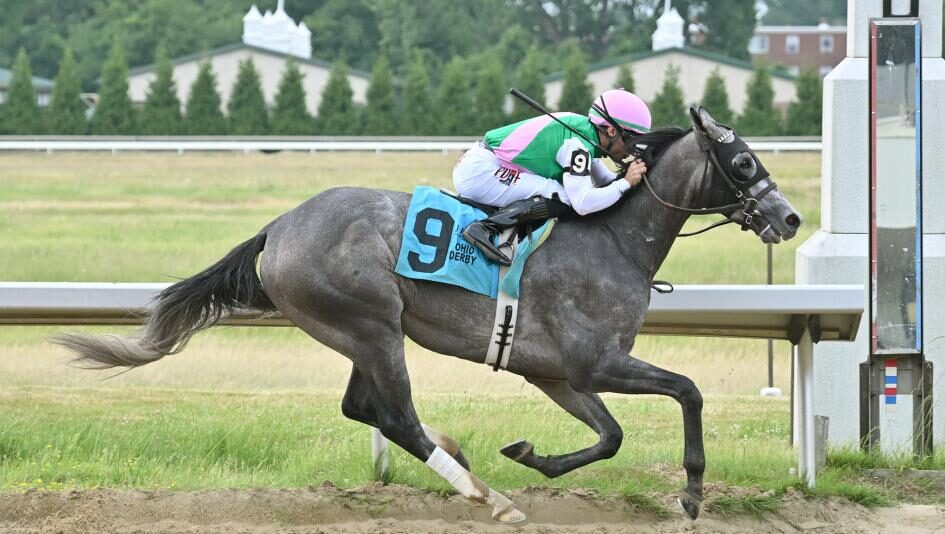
[[259, 407]]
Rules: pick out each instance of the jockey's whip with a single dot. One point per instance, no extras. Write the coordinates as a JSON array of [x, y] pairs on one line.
[[538, 107]]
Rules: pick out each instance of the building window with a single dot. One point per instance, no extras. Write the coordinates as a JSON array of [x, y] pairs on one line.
[[758, 44], [3, 97], [42, 99], [792, 44], [826, 44], [825, 70]]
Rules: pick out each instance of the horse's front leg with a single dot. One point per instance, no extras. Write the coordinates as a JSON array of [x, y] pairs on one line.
[[591, 411], [618, 373]]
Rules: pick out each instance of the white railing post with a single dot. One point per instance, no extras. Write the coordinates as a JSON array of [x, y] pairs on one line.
[[804, 408], [380, 455]]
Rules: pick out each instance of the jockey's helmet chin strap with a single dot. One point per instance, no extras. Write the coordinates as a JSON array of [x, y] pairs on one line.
[[609, 147]]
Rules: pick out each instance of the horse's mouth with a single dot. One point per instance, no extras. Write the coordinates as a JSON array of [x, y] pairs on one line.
[[771, 236]]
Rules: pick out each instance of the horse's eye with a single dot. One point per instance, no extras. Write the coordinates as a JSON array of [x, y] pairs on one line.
[[744, 166]]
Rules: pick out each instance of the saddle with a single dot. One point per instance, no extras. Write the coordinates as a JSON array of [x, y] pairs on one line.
[[433, 249], [489, 210]]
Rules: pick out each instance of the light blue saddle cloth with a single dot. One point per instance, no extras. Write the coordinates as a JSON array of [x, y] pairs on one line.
[[433, 247]]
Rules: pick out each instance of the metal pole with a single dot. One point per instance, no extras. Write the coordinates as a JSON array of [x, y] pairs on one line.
[[770, 341], [770, 391]]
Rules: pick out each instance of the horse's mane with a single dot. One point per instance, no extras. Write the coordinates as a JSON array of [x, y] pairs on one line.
[[653, 144]]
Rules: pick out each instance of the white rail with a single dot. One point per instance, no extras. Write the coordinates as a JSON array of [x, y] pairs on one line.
[[311, 145], [801, 314]]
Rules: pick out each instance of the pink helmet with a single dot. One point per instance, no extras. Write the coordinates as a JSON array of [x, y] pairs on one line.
[[624, 108]]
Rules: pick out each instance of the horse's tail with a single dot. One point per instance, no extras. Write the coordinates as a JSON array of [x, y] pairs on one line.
[[180, 311]]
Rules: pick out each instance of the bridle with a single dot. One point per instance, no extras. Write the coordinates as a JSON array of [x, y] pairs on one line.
[[744, 210]]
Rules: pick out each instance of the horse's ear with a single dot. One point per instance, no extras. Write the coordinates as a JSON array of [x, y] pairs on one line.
[[694, 112], [707, 121], [708, 125]]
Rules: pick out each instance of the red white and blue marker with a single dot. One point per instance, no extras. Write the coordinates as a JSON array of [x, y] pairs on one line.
[[892, 373]]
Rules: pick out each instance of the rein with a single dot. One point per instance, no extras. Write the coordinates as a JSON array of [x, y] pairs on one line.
[[746, 204]]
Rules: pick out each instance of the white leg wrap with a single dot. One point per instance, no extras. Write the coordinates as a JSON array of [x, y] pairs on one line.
[[503, 509], [448, 468]]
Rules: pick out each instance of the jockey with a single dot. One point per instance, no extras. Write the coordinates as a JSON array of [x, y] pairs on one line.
[[534, 169]]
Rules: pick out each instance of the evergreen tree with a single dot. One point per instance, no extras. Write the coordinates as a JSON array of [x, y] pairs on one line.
[[418, 117], [668, 108], [114, 114], [576, 91], [22, 112], [490, 94], [380, 114], [454, 104], [803, 12], [805, 115], [336, 112], [290, 115], [513, 46], [531, 83], [67, 111], [730, 24], [246, 109], [161, 113], [715, 98], [204, 115], [759, 117], [625, 78]]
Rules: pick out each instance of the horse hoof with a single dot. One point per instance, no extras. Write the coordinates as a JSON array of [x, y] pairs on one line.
[[689, 504], [510, 514], [518, 450], [503, 509]]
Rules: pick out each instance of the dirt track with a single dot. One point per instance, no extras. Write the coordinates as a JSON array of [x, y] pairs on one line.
[[396, 509]]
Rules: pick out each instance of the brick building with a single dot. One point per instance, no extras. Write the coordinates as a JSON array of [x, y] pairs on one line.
[[795, 47]]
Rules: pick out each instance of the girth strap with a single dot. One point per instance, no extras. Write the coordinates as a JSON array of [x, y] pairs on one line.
[[506, 311]]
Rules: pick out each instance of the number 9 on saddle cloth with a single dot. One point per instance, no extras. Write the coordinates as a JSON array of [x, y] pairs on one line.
[[433, 247]]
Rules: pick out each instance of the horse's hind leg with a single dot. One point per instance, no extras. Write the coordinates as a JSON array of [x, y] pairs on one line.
[[587, 407], [617, 373], [358, 404], [398, 422], [346, 296], [382, 372]]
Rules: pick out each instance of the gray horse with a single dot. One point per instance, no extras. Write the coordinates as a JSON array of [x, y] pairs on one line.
[[328, 266]]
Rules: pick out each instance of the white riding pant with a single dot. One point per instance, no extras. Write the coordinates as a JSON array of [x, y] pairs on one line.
[[480, 176]]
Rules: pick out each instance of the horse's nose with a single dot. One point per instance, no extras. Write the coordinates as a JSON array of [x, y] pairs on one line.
[[793, 221]]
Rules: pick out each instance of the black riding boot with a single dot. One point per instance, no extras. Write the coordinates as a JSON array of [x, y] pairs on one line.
[[532, 209]]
